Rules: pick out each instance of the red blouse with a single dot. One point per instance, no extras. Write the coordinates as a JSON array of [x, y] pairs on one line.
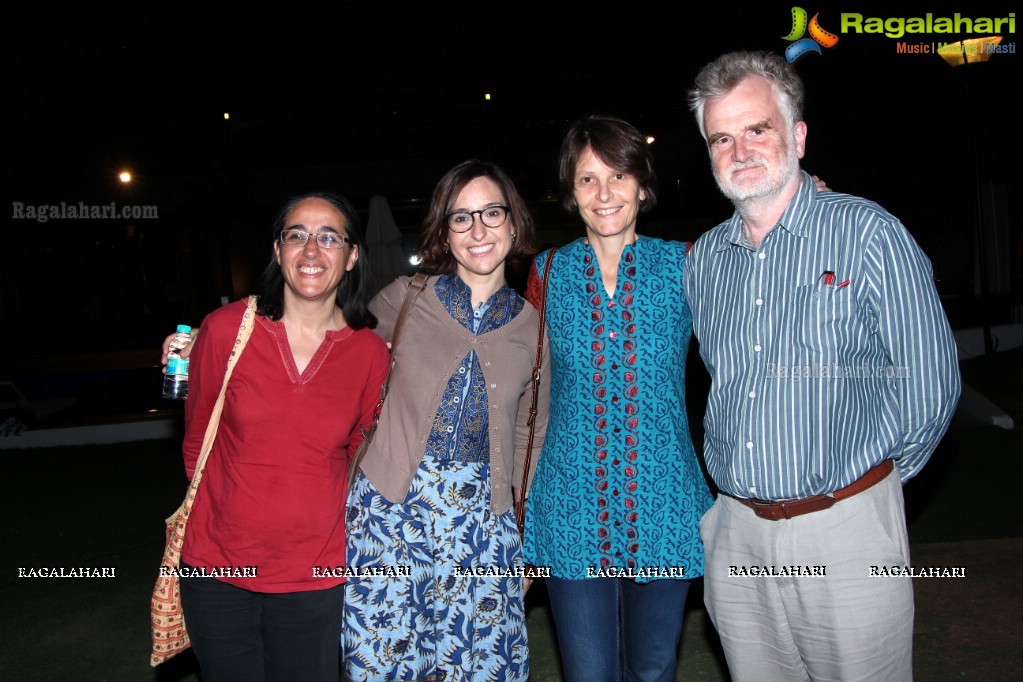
[[270, 511]]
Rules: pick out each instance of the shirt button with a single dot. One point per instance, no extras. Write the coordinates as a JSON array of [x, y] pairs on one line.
[[761, 255], [752, 394], [613, 335], [461, 370], [457, 400], [760, 301], [757, 348], [451, 429], [752, 490], [749, 445]]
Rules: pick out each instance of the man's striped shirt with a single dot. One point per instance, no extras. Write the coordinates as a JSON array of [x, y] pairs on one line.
[[827, 347]]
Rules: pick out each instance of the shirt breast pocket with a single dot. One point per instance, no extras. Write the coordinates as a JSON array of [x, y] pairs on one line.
[[822, 317]]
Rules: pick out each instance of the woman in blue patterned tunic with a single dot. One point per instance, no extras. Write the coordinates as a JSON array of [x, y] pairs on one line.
[[433, 500], [618, 491]]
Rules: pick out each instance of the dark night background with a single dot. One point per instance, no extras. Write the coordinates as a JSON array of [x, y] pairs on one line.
[[383, 101]]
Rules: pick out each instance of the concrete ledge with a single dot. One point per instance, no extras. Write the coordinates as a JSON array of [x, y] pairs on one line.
[[976, 405], [99, 434]]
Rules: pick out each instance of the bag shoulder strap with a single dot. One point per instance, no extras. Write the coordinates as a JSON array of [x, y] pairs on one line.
[[520, 510], [415, 287], [244, 332]]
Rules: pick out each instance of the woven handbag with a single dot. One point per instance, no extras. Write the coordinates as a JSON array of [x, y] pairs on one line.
[[169, 634]]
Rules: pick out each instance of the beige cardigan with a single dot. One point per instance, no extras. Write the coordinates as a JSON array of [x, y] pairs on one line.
[[430, 349]]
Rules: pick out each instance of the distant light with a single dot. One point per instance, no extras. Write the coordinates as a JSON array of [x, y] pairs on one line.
[[227, 116], [415, 260], [487, 96], [650, 139], [124, 177]]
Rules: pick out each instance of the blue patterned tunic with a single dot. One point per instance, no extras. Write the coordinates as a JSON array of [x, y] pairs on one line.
[[439, 620], [618, 485]]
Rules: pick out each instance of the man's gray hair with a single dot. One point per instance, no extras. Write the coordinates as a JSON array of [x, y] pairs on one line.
[[723, 74]]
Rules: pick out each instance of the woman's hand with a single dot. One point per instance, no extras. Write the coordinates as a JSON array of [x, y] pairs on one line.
[[821, 185], [183, 352]]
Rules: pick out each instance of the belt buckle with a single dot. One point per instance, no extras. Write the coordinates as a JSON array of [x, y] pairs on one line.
[[761, 507]]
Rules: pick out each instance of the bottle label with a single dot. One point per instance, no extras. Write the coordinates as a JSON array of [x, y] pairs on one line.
[[177, 365]]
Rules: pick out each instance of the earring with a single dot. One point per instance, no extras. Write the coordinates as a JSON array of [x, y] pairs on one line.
[[445, 247], [513, 236]]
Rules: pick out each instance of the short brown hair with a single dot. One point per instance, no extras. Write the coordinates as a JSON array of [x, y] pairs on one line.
[[618, 145], [432, 242]]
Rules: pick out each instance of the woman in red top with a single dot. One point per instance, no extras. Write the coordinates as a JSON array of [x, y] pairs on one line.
[[266, 536]]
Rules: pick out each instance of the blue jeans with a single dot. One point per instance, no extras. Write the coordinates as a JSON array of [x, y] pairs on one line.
[[614, 629]]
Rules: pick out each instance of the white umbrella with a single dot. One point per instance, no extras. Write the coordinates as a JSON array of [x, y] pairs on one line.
[[387, 259]]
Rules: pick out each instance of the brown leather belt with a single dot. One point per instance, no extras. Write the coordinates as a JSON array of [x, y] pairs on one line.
[[786, 509]]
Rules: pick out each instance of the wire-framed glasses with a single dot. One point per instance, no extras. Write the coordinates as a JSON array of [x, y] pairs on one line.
[[325, 240]]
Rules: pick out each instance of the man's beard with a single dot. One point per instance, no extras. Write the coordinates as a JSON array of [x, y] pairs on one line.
[[769, 186]]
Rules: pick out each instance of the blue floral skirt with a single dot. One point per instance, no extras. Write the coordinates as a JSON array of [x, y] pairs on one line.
[[443, 618]]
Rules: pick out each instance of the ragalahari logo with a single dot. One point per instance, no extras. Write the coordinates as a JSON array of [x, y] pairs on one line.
[[801, 46]]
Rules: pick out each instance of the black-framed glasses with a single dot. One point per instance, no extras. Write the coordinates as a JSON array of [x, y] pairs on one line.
[[491, 216], [325, 240]]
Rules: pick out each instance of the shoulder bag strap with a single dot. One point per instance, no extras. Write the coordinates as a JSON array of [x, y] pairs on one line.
[[415, 287], [244, 331], [520, 508]]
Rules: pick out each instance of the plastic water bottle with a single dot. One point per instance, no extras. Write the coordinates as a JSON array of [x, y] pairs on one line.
[[175, 383]]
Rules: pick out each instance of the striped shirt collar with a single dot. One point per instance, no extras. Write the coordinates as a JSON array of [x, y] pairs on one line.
[[793, 220]]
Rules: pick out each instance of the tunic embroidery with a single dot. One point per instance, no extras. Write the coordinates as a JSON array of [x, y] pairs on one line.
[[618, 483]]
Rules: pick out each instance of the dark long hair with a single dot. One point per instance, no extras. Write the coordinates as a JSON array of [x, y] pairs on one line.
[[351, 292], [432, 242]]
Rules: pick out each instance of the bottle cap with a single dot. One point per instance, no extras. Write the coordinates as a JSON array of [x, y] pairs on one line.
[[184, 329]]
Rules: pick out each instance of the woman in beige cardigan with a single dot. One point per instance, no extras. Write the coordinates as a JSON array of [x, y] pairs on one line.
[[431, 508]]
